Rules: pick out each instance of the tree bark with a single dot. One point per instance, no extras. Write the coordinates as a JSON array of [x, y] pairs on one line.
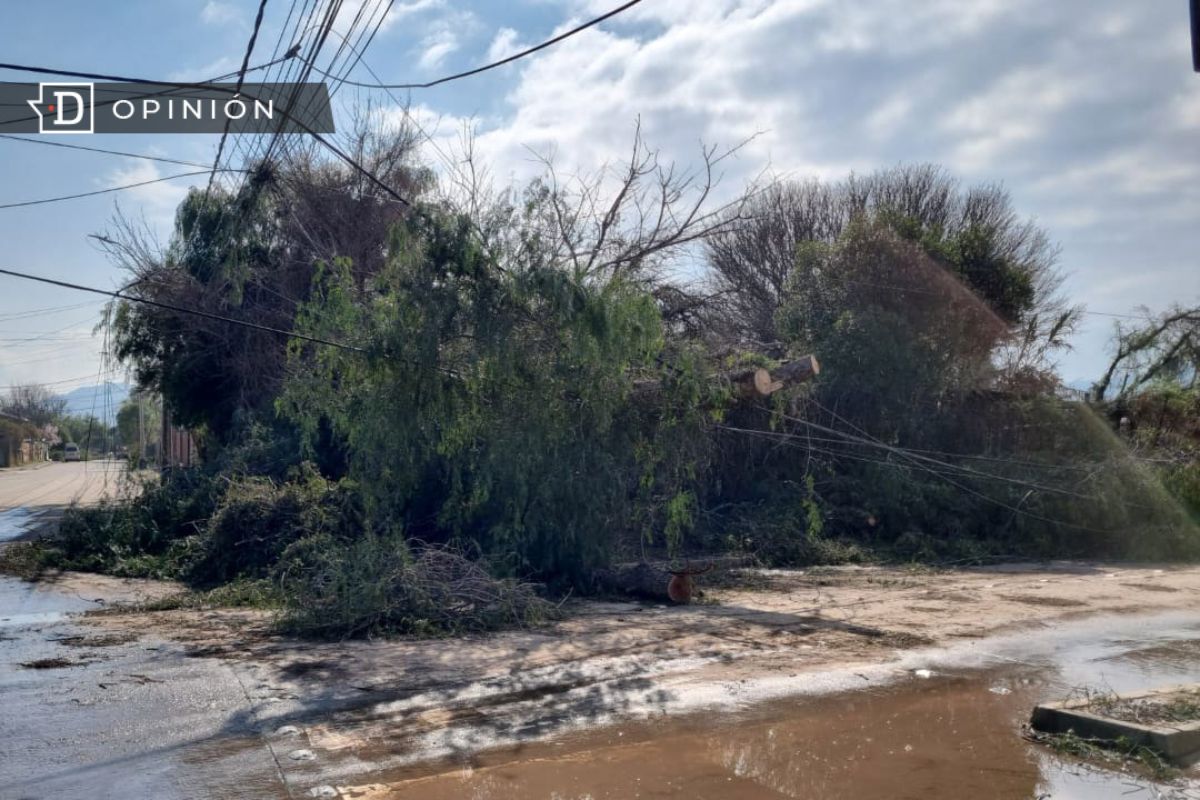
[[756, 382], [652, 580]]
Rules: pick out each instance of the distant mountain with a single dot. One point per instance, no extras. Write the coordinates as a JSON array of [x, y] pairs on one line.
[[103, 400]]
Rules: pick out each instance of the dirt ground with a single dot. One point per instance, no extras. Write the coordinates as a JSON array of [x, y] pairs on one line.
[[366, 709]]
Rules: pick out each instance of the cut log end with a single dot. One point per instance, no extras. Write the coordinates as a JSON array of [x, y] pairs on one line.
[[760, 382]]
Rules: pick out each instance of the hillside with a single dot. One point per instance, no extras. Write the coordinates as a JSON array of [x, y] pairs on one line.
[[103, 400]]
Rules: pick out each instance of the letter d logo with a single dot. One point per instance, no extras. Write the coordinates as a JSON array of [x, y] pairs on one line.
[[64, 108]]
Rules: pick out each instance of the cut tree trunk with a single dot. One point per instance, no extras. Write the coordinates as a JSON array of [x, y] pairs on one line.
[[653, 580], [752, 383]]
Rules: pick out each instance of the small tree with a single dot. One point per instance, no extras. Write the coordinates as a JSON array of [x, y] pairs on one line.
[[34, 403], [139, 426]]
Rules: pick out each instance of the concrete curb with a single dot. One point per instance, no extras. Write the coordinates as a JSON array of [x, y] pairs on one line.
[[1179, 744]]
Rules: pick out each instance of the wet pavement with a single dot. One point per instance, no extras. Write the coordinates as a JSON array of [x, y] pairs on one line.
[[954, 737], [949, 728], [88, 716], [132, 716]]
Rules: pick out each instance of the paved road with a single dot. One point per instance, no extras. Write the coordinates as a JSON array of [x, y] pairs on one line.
[[113, 719], [118, 719], [31, 496]]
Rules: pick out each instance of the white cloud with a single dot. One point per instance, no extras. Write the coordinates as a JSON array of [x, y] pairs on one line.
[[156, 202], [218, 13], [1015, 110], [1087, 135], [377, 12], [436, 46], [504, 45]]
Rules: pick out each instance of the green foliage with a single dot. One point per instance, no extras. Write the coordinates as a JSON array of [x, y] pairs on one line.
[[146, 536], [257, 520], [514, 409], [887, 352], [139, 420], [496, 406]]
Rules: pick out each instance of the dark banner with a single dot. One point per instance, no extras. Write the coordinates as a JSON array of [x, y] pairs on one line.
[[81, 108]]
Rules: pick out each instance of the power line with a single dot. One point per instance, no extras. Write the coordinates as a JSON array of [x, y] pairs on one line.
[[162, 159], [917, 461], [315, 47], [262, 6], [183, 310], [60, 198], [35, 312], [292, 50], [360, 51], [360, 54], [494, 64], [87, 378], [337, 151]]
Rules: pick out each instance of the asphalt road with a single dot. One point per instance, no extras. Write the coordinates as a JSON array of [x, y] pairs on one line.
[[32, 496], [89, 717]]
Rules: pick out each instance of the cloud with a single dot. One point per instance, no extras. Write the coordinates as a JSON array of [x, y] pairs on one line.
[[218, 13], [436, 46], [1089, 119], [156, 202], [369, 13], [504, 45]]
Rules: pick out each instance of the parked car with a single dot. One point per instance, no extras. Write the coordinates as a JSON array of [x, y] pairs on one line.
[[70, 452]]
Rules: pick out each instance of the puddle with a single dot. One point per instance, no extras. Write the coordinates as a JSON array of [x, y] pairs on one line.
[[23, 603], [87, 715], [947, 726], [14, 523], [950, 729]]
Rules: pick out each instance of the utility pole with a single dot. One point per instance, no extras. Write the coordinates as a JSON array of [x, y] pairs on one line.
[[141, 431], [1196, 35]]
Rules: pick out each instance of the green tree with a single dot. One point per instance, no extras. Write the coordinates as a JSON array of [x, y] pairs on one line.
[[494, 406], [139, 426]]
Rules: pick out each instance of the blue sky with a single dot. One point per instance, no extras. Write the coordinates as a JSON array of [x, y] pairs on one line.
[[1087, 110]]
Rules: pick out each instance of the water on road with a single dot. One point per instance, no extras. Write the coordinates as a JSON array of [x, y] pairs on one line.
[[951, 729], [84, 716]]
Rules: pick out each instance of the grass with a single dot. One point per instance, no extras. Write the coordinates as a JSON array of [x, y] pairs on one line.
[[1121, 753], [1180, 707]]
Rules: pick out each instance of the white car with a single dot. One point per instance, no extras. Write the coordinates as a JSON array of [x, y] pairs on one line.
[[70, 452]]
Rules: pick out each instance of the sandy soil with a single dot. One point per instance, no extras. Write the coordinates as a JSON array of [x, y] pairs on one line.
[[369, 707]]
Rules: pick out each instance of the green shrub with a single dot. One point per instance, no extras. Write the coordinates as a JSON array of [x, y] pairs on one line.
[[139, 537], [258, 519]]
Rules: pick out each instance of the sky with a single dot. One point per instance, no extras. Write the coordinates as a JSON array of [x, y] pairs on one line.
[[1087, 111]]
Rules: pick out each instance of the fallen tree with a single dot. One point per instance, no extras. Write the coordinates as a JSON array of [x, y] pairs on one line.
[[754, 382], [662, 581]]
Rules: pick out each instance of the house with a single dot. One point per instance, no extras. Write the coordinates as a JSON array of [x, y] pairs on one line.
[[19, 442]]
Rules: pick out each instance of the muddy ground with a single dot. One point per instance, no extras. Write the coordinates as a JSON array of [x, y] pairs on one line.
[[366, 715]]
